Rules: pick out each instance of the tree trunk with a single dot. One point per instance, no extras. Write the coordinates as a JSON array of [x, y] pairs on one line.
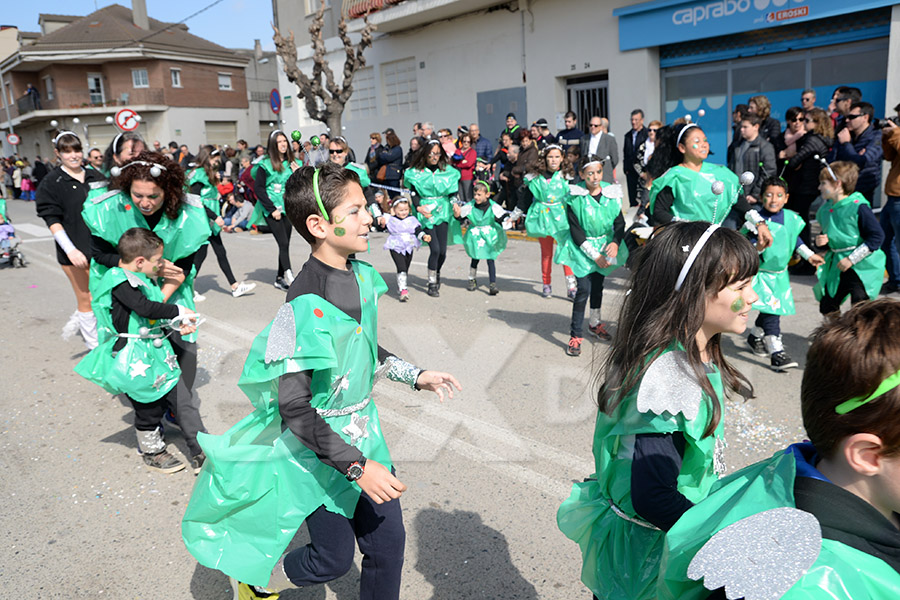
[[334, 123]]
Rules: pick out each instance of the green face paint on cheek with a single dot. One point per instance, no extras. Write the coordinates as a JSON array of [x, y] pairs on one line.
[[340, 231], [738, 305], [695, 146]]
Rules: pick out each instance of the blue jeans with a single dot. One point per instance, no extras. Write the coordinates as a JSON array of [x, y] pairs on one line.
[[890, 223], [591, 286]]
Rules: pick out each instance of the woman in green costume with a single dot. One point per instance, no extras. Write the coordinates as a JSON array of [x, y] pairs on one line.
[[591, 246], [821, 519], [688, 188], [543, 202], [201, 182], [434, 185], [658, 439], [149, 193], [269, 177]]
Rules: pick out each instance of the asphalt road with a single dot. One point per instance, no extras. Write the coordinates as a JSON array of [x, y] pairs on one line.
[[83, 518]]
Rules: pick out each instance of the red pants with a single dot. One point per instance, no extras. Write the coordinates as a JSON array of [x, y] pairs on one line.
[[547, 259]]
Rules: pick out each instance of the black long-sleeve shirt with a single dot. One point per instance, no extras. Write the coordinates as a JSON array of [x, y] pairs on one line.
[[341, 289], [662, 207], [262, 195], [60, 198], [127, 299], [106, 254], [655, 466], [196, 188], [579, 236]]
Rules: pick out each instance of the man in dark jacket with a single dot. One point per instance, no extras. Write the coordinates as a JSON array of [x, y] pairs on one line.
[[571, 135], [636, 136], [859, 142], [513, 129], [756, 155]]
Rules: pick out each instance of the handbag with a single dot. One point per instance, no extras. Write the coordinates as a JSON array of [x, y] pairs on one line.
[[381, 174]]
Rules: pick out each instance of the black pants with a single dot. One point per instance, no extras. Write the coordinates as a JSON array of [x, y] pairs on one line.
[[770, 324], [218, 247], [181, 397], [147, 415], [492, 268], [589, 285], [633, 179], [281, 230], [376, 528], [402, 261], [849, 283], [438, 246]]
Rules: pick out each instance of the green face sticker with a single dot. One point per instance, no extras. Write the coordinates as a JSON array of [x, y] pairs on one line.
[[695, 146], [738, 305], [340, 231]]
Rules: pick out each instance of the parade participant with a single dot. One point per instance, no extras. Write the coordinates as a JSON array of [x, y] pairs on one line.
[[819, 520], [772, 283], [543, 201], [434, 184], [123, 149], [683, 190], [485, 237], [149, 193], [338, 153], [269, 177], [60, 198], [310, 373], [405, 234], [591, 247], [854, 262], [201, 182], [134, 357], [658, 440]]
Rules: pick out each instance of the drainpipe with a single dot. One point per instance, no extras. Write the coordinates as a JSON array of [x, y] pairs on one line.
[[6, 103]]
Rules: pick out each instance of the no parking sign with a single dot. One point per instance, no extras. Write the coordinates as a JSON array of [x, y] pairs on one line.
[[127, 120]]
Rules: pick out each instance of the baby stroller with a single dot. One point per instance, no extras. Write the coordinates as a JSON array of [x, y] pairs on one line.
[[10, 253]]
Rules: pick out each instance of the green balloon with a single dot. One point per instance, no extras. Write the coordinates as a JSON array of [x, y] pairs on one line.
[[315, 141], [296, 135]]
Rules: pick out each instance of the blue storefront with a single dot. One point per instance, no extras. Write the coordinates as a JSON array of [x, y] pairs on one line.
[[714, 55]]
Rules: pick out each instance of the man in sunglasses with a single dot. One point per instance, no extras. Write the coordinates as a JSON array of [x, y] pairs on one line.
[[859, 142]]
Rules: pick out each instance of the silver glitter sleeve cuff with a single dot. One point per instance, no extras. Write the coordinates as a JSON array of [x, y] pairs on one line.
[[465, 210], [753, 216], [805, 252], [588, 249], [860, 253], [399, 370], [515, 214], [375, 209]]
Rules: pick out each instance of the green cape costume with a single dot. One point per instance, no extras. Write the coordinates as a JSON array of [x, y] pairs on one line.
[[275, 182], [209, 195], [110, 214], [772, 284], [435, 189], [258, 483], [364, 179], [3, 209], [547, 214], [596, 214], [762, 540], [141, 369], [485, 238], [621, 552], [840, 222], [694, 198]]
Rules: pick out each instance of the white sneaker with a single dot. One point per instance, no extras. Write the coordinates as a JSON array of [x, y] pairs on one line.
[[242, 288], [198, 298], [288, 276], [72, 327]]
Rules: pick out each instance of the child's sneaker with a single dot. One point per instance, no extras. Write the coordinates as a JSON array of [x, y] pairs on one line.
[[782, 362], [473, 285], [548, 291], [245, 591], [571, 286], [757, 346], [163, 462], [574, 347], [197, 462], [404, 295], [169, 418], [600, 331], [493, 291], [242, 288], [433, 290], [281, 284], [198, 297]]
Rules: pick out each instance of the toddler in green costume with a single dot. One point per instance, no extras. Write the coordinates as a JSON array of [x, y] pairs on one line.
[[658, 439], [485, 237], [820, 519], [313, 449]]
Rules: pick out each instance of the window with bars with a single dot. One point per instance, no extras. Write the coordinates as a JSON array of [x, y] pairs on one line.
[[139, 78], [399, 83], [362, 102]]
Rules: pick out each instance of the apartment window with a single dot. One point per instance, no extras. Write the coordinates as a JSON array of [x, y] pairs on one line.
[[312, 6], [362, 102], [139, 78], [225, 82], [400, 92], [95, 88], [48, 87], [176, 77]]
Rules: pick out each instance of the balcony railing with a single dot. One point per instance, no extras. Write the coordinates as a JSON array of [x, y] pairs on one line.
[[71, 100], [356, 9]]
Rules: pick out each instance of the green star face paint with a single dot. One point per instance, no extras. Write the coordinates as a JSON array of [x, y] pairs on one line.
[[738, 305], [340, 231]]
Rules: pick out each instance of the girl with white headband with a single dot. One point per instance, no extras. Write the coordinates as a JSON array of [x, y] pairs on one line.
[[59, 201], [121, 150], [658, 440]]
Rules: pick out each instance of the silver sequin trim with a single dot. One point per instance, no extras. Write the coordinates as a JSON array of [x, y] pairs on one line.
[[397, 369], [719, 467], [193, 200], [621, 514], [343, 412], [670, 386], [860, 253], [282, 335], [133, 279], [760, 557]]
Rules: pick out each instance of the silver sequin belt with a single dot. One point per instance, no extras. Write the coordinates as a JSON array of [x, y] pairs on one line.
[[343, 412], [621, 514]]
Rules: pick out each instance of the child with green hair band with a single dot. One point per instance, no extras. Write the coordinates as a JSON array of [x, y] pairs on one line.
[[485, 237]]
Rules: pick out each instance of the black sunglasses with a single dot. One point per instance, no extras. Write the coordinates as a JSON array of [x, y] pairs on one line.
[[336, 151], [851, 117], [595, 124]]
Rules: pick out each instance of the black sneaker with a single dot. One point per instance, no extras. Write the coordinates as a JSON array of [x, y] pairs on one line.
[[757, 346], [163, 462], [281, 284], [433, 290], [782, 362], [473, 285], [197, 462], [889, 288], [493, 291]]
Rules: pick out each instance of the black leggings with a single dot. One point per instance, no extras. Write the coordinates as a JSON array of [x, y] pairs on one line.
[[281, 230], [438, 246], [218, 247], [147, 415], [402, 261], [492, 268], [849, 283]]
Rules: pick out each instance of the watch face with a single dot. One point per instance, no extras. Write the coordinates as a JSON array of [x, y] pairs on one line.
[[354, 472]]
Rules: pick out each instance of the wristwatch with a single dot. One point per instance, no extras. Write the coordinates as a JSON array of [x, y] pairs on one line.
[[356, 469]]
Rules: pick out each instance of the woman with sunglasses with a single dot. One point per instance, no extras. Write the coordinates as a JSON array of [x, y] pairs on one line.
[[802, 169], [434, 185]]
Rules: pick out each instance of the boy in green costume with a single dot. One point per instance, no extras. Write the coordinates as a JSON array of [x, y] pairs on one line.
[[134, 357], [485, 237], [854, 262], [313, 449], [820, 519], [772, 283]]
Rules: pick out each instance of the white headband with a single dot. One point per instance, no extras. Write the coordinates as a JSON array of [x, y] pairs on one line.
[[683, 129], [593, 162], [550, 147], [693, 255], [62, 133], [155, 169]]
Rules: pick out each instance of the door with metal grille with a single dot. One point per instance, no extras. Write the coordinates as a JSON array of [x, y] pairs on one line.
[[588, 97]]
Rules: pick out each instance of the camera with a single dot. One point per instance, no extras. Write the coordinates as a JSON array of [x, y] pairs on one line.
[[882, 123]]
